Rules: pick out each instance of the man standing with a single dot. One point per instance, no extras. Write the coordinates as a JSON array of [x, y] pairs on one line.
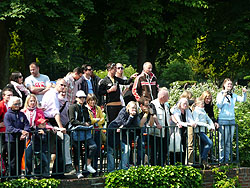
[[51, 105], [6, 94], [90, 82], [37, 83], [158, 133], [109, 86], [72, 84], [146, 84]]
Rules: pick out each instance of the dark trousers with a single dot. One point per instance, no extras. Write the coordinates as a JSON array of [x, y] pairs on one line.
[[97, 140], [158, 150], [112, 112], [16, 150]]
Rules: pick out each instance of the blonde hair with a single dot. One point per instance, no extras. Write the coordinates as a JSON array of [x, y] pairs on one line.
[[226, 80], [206, 94], [130, 104], [198, 100], [26, 104], [186, 94]]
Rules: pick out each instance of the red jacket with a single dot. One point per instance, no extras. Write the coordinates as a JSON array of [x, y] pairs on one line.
[[3, 110], [39, 114]]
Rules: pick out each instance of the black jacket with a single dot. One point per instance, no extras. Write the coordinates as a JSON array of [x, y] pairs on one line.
[[78, 115], [106, 84]]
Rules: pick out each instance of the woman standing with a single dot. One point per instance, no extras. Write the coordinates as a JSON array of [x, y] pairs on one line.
[[97, 119], [17, 129], [225, 101], [183, 117], [16, 84]]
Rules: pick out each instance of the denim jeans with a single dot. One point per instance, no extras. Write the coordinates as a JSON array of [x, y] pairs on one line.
[[124, 162], [67, 149], [206, 145], [226, 134], [44, 161]]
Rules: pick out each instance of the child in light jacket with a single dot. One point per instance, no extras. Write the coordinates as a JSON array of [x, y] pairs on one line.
[[203, 121]]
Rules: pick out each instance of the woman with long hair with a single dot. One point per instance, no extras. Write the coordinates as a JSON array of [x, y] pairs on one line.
[[225, 101]]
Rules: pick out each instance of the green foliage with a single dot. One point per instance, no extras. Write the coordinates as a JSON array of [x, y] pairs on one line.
[[222, 180], [176, 70], [128, 71], [31, 183], [155, 176]]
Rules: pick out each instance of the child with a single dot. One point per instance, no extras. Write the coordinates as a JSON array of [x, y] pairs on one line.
[[203, 121], [39, 139]]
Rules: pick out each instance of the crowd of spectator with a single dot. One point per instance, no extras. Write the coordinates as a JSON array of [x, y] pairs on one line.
[[39, 118]]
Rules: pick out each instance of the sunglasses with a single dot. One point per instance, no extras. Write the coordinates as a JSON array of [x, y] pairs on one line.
[[20, 76], [89, 69], [63, 85], [120, 68], [17, 104], [81, 97]]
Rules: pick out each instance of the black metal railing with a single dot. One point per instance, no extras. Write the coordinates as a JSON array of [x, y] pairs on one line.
[[114, 149]]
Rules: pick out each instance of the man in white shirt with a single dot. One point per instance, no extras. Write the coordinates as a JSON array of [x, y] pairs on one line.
[[51, 105], [37, 83]]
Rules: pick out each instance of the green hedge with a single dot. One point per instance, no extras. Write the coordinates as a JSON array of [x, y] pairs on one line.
[[155, 176], [32, 183]]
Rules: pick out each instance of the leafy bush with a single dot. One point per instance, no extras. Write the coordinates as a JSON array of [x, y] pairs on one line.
[[155, 176], [222, 180], [182, 83], [25, 183]]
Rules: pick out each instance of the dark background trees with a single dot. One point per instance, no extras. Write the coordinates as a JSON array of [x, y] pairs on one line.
[[208, 39]]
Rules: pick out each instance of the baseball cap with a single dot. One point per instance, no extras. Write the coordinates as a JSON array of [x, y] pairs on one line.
[[40, 121], [80, 93]]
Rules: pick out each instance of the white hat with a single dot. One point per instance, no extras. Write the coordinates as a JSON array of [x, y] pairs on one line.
[[80, 93]]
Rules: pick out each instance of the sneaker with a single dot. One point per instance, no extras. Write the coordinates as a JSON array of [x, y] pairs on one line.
[[90, 169], [79, 175], [69, 168]]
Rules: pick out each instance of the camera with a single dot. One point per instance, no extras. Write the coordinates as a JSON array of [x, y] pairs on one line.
[[229, 92]]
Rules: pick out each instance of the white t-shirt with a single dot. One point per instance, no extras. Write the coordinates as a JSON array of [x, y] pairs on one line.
[[41, 81]]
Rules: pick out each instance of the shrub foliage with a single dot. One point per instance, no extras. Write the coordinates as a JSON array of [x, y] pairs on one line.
[[155, 176]]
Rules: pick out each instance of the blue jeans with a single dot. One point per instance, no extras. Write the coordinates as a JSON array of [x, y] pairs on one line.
[[206, 145], [226, 134], [124, 162], [45, 161]]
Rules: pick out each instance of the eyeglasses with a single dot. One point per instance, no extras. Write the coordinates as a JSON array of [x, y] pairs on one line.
[[17, 104], [120, 68], [20, 76]]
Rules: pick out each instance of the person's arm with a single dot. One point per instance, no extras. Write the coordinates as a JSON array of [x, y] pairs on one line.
[[220, 100], [197, 120], [101, 116], [135, 89], [8, 124], [242, 98]]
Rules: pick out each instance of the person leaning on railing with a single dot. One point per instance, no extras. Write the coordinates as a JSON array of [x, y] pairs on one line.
[[17, 129], [127, 118], [225, 101], [203, 121]]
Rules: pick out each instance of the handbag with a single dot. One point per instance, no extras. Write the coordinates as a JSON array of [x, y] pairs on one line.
[[81, 133], [175, 141]]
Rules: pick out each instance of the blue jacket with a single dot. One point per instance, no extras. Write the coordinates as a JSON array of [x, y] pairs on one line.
[[226, 104], [15, 122], [127, 121]]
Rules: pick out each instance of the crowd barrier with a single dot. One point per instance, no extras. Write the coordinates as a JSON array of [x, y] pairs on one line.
[[115, 149]]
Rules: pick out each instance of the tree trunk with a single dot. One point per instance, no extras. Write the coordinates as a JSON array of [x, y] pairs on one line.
[[4, 54], [141, 50]]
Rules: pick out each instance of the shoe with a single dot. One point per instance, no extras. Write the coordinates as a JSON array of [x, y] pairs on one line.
[[79, 175], [69, 168], [90, 169]]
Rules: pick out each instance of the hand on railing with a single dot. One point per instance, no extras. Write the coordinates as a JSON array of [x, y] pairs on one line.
[[216, 125], [119, 130], [158, 126]]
